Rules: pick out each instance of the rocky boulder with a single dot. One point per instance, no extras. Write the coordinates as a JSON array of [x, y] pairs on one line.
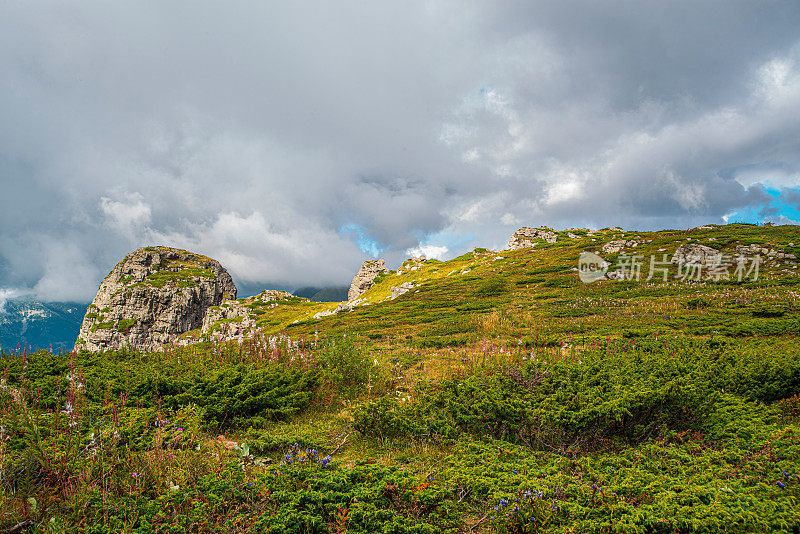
[[365, 277], [402, 289], [695, 254], [527, 237], [151, 296]]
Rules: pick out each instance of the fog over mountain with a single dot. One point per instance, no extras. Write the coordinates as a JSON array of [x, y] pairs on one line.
[[292, 144]]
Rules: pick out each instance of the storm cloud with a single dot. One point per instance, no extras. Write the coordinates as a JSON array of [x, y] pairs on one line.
[[291, 141]]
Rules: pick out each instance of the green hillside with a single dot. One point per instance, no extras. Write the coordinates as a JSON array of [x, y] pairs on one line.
[[499, 393]]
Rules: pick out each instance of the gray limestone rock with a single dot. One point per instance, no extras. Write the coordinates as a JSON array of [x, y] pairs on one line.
[[365, 278], [151, 296], [695, 254]]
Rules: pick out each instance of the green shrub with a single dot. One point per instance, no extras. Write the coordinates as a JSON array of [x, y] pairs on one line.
[[492, 286], [697, 303], [383, 418], [768, 311], [245, 396], [346, 367], [124, 324]]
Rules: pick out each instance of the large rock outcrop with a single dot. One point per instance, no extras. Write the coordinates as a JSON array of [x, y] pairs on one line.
[[365, 278], [151, 296], [527, 237], [695, 254]]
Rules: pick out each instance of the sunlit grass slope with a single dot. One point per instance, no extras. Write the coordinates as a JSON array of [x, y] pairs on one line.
[[499, 394]]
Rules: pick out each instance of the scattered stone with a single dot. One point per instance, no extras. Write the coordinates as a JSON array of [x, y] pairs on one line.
[[613, 247], [227, 444], [151, 296], [573, 232], [325, 313], [402, 289], [527, 237], [272, 294], [753, 250], [365, 278], [413, 263]]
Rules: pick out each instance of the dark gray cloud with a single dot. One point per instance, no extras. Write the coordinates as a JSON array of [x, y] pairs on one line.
[[278, 138]]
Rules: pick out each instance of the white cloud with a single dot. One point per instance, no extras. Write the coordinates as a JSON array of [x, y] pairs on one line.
[[5, 295], [69, 275], [429, 251], [128, 216], [254, 249], [256, 134]]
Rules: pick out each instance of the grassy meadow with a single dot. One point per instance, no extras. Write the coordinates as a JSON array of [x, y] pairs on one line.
[[500, 394]]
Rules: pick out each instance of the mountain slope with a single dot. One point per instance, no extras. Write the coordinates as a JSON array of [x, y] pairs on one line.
[[323, 294], [38, 324], [534, 296], [539, 389]]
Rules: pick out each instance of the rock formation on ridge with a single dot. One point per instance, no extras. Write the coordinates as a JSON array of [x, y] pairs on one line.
[[151, 296], [527, 237], [365, 277], [234, 317]]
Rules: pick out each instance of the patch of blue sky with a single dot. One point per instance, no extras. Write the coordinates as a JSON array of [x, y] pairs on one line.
[[777, 210], [359, 235], [449, 239]]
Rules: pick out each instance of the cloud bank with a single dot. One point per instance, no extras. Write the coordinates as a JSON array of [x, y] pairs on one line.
[[291, 144]]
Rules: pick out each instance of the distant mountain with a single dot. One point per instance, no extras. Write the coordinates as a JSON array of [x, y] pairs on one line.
[[323, 294], [25, 321]]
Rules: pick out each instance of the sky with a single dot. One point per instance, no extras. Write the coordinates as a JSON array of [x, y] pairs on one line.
[[293, 140]]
